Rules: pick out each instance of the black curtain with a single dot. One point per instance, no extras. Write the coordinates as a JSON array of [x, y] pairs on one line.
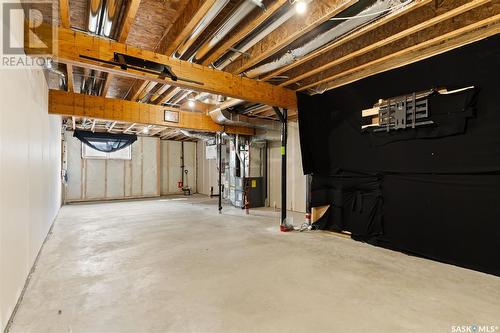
[[105, 142], [439, 187]]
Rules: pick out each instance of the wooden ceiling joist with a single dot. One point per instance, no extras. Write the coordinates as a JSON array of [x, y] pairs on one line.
[[64, 13], [172, 91], [158, 94], [295, 27], [96, 107], [70, 78], [192, 14], [393, 33], [349, 37], [128, 20], [136, 89], [429, 48], [106, 84], [72, 45], [146, 90], [244, 32]]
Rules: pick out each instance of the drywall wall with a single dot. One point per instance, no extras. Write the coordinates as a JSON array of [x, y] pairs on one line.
[[30, 187], [207, 171], [171, 162], [296, 180], [96, 179]]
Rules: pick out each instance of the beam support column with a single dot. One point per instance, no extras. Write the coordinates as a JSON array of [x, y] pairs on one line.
[[283, 117]]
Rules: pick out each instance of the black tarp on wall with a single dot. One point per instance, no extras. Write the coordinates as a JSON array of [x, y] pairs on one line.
[[440, 196]]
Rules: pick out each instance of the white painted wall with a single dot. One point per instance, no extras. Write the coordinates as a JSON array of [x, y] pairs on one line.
[[97, 179], [207, 171], [296, 180], [171, 166], [30, 187]]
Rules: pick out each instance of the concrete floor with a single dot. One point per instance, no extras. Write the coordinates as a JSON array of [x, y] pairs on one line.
[[175, 265]]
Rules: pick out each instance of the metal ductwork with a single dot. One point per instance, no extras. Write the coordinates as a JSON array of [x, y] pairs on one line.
[[262, 31], [104, 16], [226, 117], [198, 135], [200, 27], [236, 17], [95, 9], [49, 66], [366, 15]]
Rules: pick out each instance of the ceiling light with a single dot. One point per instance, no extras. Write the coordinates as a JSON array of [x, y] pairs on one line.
[[300, 6], [145, 130], [191, 103]]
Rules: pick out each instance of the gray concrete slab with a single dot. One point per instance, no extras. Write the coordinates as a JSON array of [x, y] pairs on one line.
[[175, 265]]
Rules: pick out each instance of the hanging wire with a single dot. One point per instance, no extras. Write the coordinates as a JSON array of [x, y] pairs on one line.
[[371, 14]]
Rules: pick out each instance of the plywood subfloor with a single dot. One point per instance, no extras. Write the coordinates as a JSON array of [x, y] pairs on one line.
[[175, 265]]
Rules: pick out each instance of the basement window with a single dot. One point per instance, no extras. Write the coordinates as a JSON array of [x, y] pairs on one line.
[[91, 153]]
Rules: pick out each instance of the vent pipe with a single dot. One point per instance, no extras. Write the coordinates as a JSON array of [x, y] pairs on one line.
[[236, 17], [200, 27], [198, 135], [369, 14]]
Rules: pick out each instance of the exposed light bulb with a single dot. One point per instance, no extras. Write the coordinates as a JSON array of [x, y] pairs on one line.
[[191, 104], [300, 7], [145, 130]]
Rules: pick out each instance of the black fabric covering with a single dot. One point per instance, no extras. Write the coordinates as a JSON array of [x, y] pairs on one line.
[[105, 142], [439, 186], [355, 204], [449, 113]]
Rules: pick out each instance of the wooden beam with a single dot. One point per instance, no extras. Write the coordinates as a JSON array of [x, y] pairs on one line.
[[64, 13], [393, 36], [96, 107], [129, 128], [72, 45], [156, 96], [318, 13], [244, 31], [65, 23], [146, 90], [173, 91], [106, 84], [429, 48], [73, 121], [349, 37], [112, 126], [136, 89], [129, 19], [69, 78], [158, 130], [182, 28]]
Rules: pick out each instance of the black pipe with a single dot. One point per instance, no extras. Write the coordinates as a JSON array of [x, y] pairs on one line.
[[220, 173], [182, 164], [283, 117], [284, 133]]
